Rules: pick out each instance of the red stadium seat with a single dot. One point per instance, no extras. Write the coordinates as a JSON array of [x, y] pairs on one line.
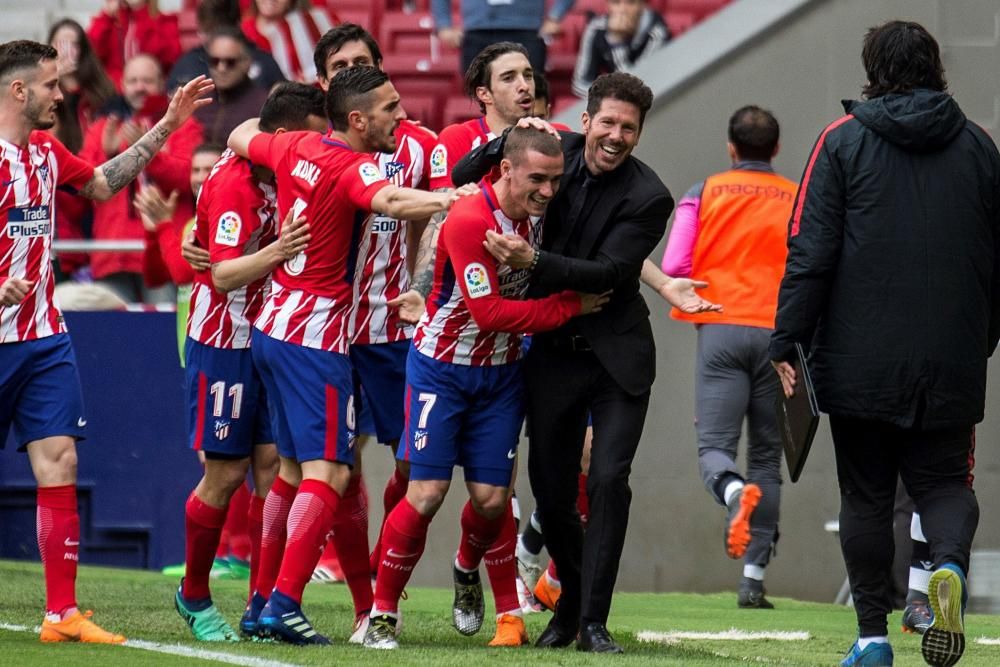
[[590, 7], [569, 40], [396, 24], [187, 26], [458, 109], [423, 108], [419, 76], [699, 8], [679, 22]]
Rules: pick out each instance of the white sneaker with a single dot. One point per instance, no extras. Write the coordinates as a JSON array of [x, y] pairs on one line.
[[530, 566]]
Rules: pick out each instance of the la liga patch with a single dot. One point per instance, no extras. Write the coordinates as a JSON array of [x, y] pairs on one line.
[[439, 161], [228, 230], [369, 173], [477, 281]]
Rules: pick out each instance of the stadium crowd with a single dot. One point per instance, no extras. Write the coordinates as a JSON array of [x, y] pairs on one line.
[[325, 297]]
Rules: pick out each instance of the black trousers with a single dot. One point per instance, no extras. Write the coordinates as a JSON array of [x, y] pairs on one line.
[[562, 387], [936, 468], [475, 41]]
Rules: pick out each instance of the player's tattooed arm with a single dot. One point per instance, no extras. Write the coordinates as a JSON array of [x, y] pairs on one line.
[[120, 170], [423, 272]]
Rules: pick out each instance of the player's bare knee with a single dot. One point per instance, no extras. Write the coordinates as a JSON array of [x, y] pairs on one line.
[[426, 496], [265, 463], [489, 501], [53, 461]]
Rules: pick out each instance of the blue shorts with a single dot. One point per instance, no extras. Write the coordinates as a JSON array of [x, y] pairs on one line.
[[227, 403], [311, 399], [462, 415], [380, 370], [366, 424], [40, 391]]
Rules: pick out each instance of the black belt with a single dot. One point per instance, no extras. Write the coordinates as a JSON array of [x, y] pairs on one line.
[[568, 343]]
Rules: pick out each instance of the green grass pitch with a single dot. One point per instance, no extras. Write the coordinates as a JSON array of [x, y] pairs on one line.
[[139, 605]]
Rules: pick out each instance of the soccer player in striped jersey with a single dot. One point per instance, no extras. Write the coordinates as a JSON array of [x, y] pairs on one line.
[[464, 390], [301, 338], [39, 380], [379, 338], [229, 418]]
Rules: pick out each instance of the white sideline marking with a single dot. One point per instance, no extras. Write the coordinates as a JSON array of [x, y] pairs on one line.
[[988, 641], [177, 649], [733, 634]]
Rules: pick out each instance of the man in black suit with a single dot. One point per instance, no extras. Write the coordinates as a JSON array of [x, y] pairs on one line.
[[610, 212]]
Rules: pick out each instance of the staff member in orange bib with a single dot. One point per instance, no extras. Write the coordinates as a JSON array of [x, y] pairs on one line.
[[729, 231]]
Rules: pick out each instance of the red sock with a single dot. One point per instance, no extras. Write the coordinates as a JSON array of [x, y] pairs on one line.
[[236, 523], [58, 529], [309, 521], [273, 534], [395, 490], [350, 538], [255, 528], [478, 535], [202, 528], [403, 537], [582, 499], [501, 565]]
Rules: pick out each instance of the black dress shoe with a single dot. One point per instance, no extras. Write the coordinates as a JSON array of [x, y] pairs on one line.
[[555, 636], [595, 638]]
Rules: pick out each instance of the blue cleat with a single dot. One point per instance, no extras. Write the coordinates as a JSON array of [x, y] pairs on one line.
[[282, 619], [248, 624], [873, 655], [944, 641]]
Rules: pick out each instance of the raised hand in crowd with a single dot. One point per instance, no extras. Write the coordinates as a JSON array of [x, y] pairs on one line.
[[153, 208]]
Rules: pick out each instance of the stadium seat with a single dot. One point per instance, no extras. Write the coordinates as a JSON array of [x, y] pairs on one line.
[[187, 26], [458, 109], [699, 8], [395, 24], [586, 7], [679, 22], [423, 108], [569, 39], [419, 76]]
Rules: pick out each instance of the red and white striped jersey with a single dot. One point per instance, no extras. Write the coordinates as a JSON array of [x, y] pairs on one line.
[[292, 38], [236, 217], [453, 143], [476, 312], [380, 273], [332, 187], [29, 177]]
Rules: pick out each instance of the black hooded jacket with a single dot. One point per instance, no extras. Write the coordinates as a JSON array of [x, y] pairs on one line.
[[893, 271]]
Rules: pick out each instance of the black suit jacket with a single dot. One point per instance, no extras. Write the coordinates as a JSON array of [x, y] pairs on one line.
[[625, 218]]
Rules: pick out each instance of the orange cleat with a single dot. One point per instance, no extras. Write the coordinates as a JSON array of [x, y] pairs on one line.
[[738, 530], [78, 628], [547, 591], [510, 631]]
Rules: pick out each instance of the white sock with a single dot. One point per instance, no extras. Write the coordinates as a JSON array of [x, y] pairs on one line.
[[753, 572], [535, 522], [513, 612], [462, 569], [917, 528], [863, 642], [378, 612], [731, 490], [515, 508], [920, 579]]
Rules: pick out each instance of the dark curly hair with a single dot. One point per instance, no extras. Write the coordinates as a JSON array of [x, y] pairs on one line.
[[620, 86], [481, 68], [899, 56]]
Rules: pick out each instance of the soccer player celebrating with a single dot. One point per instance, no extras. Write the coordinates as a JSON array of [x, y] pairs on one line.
[[229, 418], [39, 380], [379, 339], [301, 338], [466, 363]]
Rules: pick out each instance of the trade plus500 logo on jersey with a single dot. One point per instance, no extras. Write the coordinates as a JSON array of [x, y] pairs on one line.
[[28, 222]]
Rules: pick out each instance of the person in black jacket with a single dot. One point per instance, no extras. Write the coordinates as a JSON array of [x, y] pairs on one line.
[[893, 282], [609, 213]]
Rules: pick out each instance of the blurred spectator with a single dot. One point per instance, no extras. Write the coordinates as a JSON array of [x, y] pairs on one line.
[[214, 15], [543, 104], [126, 28], [615, 41], [486, 22], [141, 104], [289, 31], [86, 88], [85, 85], [237, 98]]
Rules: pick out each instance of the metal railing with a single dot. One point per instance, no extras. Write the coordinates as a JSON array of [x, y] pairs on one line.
[[87, 245]]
